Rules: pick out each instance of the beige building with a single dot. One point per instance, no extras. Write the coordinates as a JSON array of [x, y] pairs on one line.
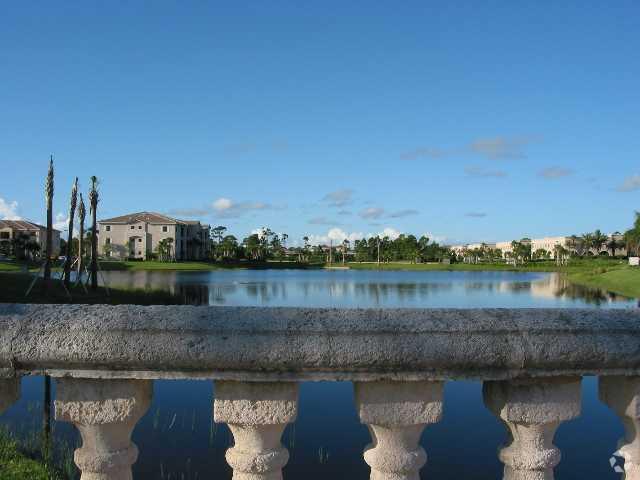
[[137, 235], [12, 229]]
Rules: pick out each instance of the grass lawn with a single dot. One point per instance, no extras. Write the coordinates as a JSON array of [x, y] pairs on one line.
[[624, 280], [14, 465], [14, 285]]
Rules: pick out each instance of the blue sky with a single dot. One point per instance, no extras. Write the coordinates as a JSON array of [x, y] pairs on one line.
[[468, 121]]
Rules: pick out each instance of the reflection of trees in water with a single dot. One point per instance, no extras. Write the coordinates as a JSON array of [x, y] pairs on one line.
[[559, 286], [193, 294], [202, 289]]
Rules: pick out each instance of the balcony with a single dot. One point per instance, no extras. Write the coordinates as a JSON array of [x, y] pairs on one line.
[[531, 362]]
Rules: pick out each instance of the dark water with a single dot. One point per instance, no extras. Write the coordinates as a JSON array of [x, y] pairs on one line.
[[178, 440]]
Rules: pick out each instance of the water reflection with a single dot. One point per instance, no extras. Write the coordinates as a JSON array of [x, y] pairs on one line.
[[372, 288]]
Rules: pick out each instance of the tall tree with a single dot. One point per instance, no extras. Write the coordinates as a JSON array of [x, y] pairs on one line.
[[48, 191], [93, 205], [82, 213], [72, 212], [598, 240]]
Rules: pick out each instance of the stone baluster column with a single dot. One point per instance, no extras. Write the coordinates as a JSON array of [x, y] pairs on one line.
[[622, 395], [105, 412], [257, 414], [396, 414], [532, 410], [9, 392]]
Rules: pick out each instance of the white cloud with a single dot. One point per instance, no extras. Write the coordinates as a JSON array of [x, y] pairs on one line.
[[222, 204], [372, 213], [227, 208], [630, 184], [338, 235], [9, 210], [435, 238]]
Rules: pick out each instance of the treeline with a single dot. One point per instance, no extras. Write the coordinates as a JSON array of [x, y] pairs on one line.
[[267, 244]]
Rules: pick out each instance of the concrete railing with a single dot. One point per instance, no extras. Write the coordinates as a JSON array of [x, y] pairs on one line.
[[531, 361]]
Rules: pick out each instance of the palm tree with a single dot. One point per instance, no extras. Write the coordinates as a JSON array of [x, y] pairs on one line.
[[599, 239], [82, 213], [72, 211], [93, 205], [48, 192], [345, 249], [614, 244]]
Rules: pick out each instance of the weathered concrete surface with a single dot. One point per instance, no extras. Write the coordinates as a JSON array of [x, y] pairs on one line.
[[532, 409], [254, 344], [105, 413], [396, 414]]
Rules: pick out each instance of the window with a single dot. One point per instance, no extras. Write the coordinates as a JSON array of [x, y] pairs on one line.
[[107, 241], [164, 228], [139, 227], [108, 228], [4, 235], [139, 253], [139, 240], [133, 227]]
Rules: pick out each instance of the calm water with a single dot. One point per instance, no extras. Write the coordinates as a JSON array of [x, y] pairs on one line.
[[366, 288], [178, 440]]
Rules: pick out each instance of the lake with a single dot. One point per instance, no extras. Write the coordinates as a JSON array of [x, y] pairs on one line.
[[178, 440]]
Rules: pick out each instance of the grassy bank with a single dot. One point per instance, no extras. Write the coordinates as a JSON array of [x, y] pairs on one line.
[[153, 265], [623, 280], [14, 285], [531, 267], [16, 465]]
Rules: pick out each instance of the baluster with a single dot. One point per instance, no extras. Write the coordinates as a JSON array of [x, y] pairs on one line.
[[532, 410], [9, 392], [257, 414], [396, 414], [105, 412], [622, 395]]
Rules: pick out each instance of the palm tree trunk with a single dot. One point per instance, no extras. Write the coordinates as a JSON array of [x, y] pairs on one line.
[[48, 189], [72, 212], [94, 249]]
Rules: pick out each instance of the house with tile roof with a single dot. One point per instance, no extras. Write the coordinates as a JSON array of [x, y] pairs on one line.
[[12, 229], [137, 235]]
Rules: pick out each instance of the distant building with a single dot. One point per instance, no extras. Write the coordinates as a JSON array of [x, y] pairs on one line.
[[546, 243], [137, 236], [12, 229]]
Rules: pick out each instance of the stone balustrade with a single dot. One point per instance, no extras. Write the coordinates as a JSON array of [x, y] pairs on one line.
[[531, 361]]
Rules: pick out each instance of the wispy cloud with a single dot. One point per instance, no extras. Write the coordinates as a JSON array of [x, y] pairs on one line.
[[423, 152], [403, 213], [630, 184], [481, 172], [227, 208], [189, 212], [372, 213], [475, 214], [492, 148], [339, 198], [376, 213], [501, 148], [345, 212], [9, 210], [551, 173], [322, 221]]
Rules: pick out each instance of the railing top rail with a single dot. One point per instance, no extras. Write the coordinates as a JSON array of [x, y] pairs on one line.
[[253, 343]]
